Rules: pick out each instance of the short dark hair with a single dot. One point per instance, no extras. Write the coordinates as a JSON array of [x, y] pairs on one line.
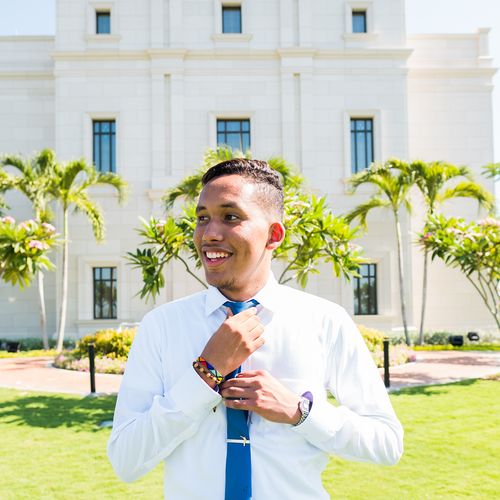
[[259, 172]]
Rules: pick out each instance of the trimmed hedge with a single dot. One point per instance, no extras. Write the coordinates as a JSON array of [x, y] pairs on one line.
[[108, 343]]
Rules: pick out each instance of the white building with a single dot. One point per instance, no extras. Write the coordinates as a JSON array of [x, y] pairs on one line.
[[293, 78]]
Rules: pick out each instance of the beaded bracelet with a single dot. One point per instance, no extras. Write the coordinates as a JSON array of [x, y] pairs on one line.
[[203, 362], [204, 371]]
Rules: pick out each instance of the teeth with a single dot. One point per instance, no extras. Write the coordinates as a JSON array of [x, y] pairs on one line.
[[217, 255]]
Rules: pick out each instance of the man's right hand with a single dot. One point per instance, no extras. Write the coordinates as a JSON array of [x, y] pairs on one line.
[[239, 336]]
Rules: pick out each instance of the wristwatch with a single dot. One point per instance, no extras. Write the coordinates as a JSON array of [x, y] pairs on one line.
[[305, 408]]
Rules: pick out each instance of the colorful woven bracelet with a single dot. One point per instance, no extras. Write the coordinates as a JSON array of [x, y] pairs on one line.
[[203, 362], [201, 369]]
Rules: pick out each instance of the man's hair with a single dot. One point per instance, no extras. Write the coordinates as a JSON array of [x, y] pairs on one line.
[[259, 172]]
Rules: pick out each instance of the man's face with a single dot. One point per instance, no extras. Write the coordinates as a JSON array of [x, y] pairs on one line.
[[233, 236]]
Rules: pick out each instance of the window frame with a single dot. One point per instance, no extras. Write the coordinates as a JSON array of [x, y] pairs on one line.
[[234, 119], [357, 6], [112, 149], [98, 14], [355, 13], [354, 134], [236, 8], [113, 280], [373, 307], [378, 146]]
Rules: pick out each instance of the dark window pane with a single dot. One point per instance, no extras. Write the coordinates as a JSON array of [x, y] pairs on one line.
[[361, 143], [105, 292], [231, 19], [103, 23], [104, 145], [234, 133], [365, 290], [359, 21]]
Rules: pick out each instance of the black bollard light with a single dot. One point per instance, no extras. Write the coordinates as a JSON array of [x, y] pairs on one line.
[[387, 380], [92, 368]]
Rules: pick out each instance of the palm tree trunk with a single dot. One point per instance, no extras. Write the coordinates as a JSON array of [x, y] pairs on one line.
[[43, 315], [401, 278], [64, 296], [424, 298]]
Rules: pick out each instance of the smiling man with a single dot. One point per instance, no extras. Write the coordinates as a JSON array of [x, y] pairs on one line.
[[229, 386]]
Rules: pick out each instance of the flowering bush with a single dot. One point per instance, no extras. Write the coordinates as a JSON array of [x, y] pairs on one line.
[[374, 339], [111, 349], [473, 248], [24, 249], [68, 361], [107, 343]]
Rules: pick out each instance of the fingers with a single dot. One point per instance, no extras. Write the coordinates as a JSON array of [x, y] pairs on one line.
[[247, 313]]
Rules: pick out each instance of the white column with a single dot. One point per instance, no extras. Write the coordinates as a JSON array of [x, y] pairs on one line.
[[287, 22], [176, 124], [307, 121], [290, 121], [305, 23], [158, 128], [175, 23], [156, 29]]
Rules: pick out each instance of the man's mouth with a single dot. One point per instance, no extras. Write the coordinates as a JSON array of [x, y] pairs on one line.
[[213, 257]]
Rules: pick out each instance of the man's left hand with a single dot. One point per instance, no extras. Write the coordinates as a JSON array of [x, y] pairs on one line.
[[261, 393]]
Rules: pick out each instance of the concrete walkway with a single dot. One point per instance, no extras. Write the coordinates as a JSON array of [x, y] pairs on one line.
[[431, 367]]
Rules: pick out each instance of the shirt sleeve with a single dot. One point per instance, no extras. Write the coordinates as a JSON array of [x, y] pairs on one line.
[[149, 422], [364, 427]]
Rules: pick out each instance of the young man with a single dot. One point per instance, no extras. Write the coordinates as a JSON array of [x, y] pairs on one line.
[[264, 433]]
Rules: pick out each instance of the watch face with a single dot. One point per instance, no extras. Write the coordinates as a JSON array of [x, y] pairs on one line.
[[304, 405]]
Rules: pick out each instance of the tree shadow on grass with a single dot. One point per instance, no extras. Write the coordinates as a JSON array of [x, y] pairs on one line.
[[432, 390], [52, 411]]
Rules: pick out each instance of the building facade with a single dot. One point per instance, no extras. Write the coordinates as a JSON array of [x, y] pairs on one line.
[[143, 88]]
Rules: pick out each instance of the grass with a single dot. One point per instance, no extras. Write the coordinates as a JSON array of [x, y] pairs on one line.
[[28, 354], [56, 449], [466, 347]]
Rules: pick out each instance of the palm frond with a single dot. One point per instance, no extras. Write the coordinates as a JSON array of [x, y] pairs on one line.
[[93, 212], [491, 170], [361, 211], [189, 188], [114, 180], [472, 190]]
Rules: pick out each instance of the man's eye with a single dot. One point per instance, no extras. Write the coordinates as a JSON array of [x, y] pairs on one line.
[[202, 218], [231, 217]]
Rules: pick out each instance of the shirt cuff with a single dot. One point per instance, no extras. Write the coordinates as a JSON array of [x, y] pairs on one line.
[[192, 395], [323, 421]]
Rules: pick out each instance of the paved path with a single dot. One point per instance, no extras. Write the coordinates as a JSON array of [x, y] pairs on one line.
[[431, 367]]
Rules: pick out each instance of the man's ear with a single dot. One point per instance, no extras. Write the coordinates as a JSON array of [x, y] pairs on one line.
[[276, 235]]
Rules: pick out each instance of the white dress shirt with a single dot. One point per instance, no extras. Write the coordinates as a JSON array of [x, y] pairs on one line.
[[165, 411]]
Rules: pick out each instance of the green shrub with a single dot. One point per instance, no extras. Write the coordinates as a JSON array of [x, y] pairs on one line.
[[108, 343], [437, 338], [36, 344], [374, 339]]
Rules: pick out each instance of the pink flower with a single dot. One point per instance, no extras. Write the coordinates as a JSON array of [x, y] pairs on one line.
[[48, 227], [39, 245], [489, 221], [8, 219]]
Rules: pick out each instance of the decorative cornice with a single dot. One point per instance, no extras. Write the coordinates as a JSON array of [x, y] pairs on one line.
[[104, 54], [441, 72], [27, 38], [26, 75]]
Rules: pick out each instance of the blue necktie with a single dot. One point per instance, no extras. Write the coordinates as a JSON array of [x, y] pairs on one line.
[[238, 459]]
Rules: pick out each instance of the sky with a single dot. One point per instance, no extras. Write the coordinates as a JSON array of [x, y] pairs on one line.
[[37, 17]]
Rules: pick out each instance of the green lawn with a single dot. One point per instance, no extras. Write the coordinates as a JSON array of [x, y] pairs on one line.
[[52, 447]]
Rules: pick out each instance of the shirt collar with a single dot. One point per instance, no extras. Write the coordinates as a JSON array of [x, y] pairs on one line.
[[266, 296]]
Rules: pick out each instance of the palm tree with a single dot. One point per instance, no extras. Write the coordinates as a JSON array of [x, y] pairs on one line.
[[33, 181], [70, 187], [393, 181], [431, 179], [5, 185]]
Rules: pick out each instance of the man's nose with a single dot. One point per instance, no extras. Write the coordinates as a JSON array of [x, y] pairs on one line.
[[212, 231]]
